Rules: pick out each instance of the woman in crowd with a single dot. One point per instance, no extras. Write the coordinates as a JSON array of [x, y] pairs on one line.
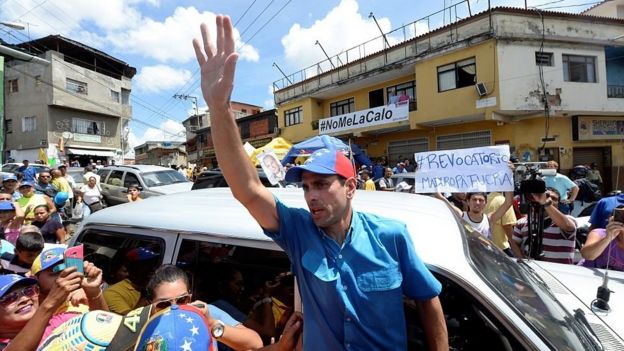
[[91, 197], [134, 193], [11, 218], [605, 247], [53, 231], [170, 285]]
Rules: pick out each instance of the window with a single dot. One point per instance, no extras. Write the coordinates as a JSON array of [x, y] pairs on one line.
[[293, 116], [341, 107], [401, 149], [579, 69], [107, 250], [115, 96], [465, 140], [160, 178], [103, 173], [544, 58], [76, 86], [85, 126], [376, 98], [29, 124], [457, 75], [227, 276], [131, 179], [125, 96], [8, 126], [115, 178], [409, 89], [12, 85], [38, 81]]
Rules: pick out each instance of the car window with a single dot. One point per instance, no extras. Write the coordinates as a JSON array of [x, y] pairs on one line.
[[210, 181], [130, 179], [9, 168], [234, 279], [160, 178], [103, 173], [115, 178], [77, 176], [107, 250]]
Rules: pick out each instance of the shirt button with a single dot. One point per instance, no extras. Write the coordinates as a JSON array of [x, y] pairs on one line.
[[348, 319], [339, 256], [344, 287], [348, 345]]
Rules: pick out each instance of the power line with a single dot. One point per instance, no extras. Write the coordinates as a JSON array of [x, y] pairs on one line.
[[267, 22], [256, 18], [244, 13], [27, 12]]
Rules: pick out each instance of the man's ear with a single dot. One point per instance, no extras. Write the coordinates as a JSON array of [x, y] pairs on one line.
[[351, 185]]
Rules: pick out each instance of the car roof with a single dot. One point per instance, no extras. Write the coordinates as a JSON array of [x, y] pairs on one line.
[[216, 212], [140, 168], [404, 175]]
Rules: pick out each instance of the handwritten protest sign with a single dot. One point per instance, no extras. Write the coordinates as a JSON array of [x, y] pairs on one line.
[[464, 170]]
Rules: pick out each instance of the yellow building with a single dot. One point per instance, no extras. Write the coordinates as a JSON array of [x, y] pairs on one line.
[[498, 77]]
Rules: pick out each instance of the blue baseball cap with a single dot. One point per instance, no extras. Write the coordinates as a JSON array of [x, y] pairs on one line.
[[26, 183], [176, 328], [7, 206], [9, 177], [323, 161], [7, 281], [47, 259]]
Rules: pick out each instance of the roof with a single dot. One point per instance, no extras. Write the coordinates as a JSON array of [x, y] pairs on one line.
[[75, 53], [140, 168], [215, 212]]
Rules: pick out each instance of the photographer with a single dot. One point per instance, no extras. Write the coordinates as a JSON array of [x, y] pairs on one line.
[[564, 186], [559, 233]]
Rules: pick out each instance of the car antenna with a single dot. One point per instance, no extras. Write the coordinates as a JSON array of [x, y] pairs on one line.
[[601, 303]]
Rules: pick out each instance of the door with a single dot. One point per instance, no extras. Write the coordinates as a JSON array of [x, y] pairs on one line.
[[376, 98], [598, 155], [112, 188]]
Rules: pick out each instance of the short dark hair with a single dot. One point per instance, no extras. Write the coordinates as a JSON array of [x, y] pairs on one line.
[[167, 273], [44, 206], [135, 186], [469, 195], [29, 241], [554, 190]]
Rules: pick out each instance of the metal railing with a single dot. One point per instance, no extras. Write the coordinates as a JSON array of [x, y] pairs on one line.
[[615, 91], [445, 17]]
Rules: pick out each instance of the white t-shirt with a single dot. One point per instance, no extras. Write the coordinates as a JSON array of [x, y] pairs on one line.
[[482, 227], [90, 195]]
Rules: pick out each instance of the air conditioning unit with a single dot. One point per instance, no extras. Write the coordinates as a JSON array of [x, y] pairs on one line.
[[481, 89]]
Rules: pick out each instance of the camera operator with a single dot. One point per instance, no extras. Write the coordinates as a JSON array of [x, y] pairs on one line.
[[559, 233], [563, 185]]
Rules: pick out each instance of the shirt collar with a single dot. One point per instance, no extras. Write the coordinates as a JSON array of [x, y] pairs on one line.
[[355, 222]]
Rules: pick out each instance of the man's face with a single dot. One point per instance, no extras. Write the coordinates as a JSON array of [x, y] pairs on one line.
[[476, 203], [271, 164], [63, 171], [44, 177], [10, 185], [26, 163], [326, 197], [27, 257], [41, 214], [388, 173], [27, 191]]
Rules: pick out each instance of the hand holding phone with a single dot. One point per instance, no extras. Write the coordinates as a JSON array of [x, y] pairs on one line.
[[618, 215], [74, 257]]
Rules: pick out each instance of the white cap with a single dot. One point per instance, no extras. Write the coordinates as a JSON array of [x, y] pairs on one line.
[[403, 186]]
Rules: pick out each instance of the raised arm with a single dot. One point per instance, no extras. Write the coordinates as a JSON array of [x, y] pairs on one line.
[[595, 244], [454, 208], [217, 81]]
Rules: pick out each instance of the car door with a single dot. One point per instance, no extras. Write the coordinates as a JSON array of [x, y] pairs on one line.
[[112, 188]]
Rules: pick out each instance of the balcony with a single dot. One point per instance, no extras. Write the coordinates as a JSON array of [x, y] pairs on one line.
[[615, 91]]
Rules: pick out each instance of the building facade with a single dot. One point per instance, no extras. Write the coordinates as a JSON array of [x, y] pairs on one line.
[[550, 85], [161, 153], [79, 103], [256, 127]]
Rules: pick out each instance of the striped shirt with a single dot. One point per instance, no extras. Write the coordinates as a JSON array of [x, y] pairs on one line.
[[557, 245]]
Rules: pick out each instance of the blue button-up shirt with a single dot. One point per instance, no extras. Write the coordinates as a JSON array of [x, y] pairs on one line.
[[353, 294]]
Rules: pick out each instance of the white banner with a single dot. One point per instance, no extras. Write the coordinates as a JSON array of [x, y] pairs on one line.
[[365, 118], [464, 170]]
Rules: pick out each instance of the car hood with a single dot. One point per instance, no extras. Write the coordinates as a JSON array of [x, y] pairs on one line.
[[576, 287], [172, 188]]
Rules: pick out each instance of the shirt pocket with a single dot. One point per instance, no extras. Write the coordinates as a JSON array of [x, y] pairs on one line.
[[317, 264], [384, 279]]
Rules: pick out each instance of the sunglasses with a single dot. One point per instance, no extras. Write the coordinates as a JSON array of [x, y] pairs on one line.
[[6, 198], [180, 300], [29, 291], [45, 176]]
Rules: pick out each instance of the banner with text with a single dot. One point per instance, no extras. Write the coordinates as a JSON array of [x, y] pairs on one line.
[[365, 118], [464, 170]]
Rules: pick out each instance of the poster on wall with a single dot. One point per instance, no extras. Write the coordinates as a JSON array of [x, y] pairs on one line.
[[595, 128]]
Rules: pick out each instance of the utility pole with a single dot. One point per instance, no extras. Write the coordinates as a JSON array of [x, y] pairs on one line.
[[370, 15], [188, 97]]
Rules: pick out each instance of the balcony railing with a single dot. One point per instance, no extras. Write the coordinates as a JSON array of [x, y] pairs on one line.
[[439, 19], [615, 91]]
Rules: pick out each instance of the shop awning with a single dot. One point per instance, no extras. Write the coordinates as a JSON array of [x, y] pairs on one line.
[[91, 152]]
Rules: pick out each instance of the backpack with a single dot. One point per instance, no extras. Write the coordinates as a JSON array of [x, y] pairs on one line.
[[588, 191]]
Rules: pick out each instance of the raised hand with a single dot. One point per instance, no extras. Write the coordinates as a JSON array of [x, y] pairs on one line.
[[92, 279], [217, 65]]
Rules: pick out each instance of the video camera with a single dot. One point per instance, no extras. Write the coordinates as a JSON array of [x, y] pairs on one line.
[[529, 177]]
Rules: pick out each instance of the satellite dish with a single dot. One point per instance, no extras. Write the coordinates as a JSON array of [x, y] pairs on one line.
[[67, 135]]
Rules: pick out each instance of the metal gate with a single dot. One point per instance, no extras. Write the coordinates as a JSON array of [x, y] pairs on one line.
[[406, 149]]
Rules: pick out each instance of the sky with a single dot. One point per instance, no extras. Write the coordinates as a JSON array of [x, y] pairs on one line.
[[154, 36]]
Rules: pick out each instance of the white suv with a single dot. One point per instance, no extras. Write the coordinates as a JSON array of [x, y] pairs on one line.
[[153, 180]]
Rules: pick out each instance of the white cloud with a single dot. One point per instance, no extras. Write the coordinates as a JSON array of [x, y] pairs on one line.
[[341, 29], [160, 78], [168, 130], [268, 104]]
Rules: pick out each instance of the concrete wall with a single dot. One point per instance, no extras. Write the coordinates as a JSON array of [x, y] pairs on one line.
[[520, 88], [612, 8], [98, 98], [60, 120]]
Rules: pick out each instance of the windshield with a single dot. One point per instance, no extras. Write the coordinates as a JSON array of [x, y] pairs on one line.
[[77, 176], [525, 292], [160, 178]]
